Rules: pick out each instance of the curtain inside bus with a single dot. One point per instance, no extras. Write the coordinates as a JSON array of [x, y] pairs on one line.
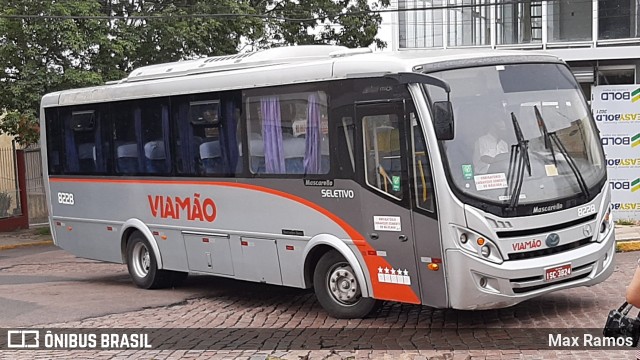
[[272, 135]]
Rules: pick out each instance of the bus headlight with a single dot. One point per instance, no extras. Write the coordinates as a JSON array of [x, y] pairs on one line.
[[606, 224], [485, 251], [477, 245]]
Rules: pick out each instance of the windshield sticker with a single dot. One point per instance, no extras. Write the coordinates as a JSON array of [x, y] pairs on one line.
[[387, 223], [505, 197], [551, 170], [467, 172], [490, 181], [395, 183]]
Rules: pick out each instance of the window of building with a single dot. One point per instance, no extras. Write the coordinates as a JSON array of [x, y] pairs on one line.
[[469, 25], [618, 19], [421, 28], [519, 22], [569, 20], [616, 75], [288, 133]]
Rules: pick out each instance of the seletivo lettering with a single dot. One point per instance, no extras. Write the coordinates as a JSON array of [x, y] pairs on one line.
[[338, 193]]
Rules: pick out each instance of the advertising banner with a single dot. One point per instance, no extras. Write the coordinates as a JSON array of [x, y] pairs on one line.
[[616, 109]]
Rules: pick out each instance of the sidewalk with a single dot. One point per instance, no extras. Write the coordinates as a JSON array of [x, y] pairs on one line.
[[21, 238]]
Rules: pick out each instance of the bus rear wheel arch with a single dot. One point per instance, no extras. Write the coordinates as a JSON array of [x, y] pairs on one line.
[[143, 266], [338, 290]]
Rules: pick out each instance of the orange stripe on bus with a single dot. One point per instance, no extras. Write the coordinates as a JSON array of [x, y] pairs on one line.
[[382, 291]]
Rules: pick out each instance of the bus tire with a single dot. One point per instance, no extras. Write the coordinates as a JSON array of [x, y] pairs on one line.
[[142, 264], [338, 290]]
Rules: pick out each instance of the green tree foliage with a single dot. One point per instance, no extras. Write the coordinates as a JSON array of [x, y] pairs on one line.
[[41, 55], [69, 44], [349, 23]]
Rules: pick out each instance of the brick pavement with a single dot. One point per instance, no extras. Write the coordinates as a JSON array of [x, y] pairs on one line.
[[249, 305]]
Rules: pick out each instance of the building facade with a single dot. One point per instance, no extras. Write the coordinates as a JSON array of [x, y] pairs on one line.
[[600, 39]]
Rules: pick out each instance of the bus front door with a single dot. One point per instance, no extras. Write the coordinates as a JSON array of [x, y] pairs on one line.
[[386, 201]]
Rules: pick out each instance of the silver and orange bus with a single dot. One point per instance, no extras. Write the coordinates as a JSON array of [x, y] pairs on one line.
[[465, 179]]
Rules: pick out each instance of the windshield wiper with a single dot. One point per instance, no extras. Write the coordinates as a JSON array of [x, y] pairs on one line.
[[518, 160], [547, 138], [572, 164]]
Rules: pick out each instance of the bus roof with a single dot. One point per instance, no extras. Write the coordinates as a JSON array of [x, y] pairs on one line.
[[280, 66]]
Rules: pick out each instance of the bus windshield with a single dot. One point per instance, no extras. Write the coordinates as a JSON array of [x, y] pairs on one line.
[[529, 118]]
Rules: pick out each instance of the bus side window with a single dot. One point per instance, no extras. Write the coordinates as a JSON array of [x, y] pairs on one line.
[[288, 133], [85, 151], [346, 146], [55, 141], [154, 137]]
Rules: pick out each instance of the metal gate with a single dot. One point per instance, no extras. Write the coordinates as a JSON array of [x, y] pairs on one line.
[[9, 189], [36, 199]]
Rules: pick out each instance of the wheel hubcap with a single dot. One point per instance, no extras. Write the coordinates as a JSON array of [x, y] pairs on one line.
[[343, 284], [141, 260]]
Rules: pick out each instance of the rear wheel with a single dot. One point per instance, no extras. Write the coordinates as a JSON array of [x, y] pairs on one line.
[[143, 266], [338, 290]]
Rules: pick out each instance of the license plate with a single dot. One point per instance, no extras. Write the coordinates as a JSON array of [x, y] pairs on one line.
[[557, 272]]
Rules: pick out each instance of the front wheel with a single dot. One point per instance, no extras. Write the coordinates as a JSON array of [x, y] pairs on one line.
[[338, 290], [143, 267]]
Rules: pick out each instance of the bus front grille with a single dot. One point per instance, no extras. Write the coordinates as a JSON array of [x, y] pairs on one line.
[[550, 251], [524, 285], [542, 286]]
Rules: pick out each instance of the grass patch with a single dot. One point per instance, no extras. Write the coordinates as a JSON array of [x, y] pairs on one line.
[[626, 222], [43, 231], [624, 246]]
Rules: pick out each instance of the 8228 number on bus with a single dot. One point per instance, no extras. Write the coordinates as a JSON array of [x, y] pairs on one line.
[[65, 198]]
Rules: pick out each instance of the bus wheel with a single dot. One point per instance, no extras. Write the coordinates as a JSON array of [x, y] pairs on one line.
[[142, 264], [338, 290]]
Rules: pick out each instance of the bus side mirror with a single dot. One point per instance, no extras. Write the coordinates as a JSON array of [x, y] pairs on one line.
[[443, 120]]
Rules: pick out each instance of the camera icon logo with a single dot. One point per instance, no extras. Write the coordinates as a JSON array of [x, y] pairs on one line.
[[23, 339]]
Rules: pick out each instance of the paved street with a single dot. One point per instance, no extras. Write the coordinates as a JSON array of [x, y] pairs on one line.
[[43, 286]]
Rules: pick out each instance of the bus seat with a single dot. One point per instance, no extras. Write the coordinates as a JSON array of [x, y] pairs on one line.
[[324, 151], [87, 157], [211, 157], [294, 155], [155, 157], [256, 150], [127, 160]]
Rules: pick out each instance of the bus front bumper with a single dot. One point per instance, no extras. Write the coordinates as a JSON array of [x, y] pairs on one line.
[[474, 283]]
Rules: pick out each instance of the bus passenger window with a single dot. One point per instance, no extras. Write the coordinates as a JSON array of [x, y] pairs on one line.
[[207, 135], [85, 149], [55, 141], [288, 133], [382, 157]]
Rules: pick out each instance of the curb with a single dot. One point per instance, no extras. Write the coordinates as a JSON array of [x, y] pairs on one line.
[[15, 246], [627, 245]]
